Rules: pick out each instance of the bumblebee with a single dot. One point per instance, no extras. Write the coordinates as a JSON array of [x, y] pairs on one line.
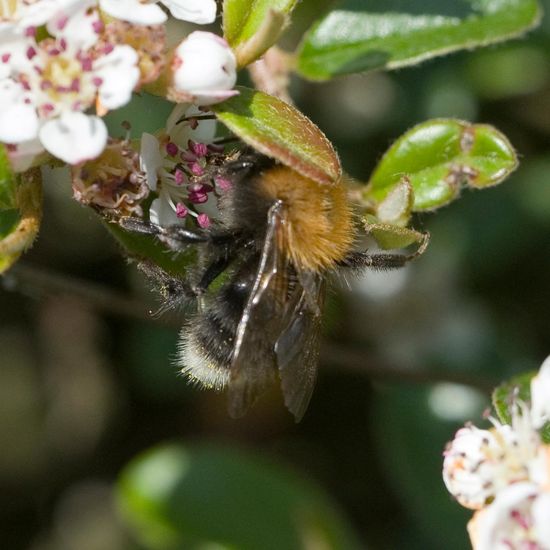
[[278, 236]]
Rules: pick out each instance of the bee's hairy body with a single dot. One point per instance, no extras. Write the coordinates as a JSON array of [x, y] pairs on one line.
[[318, 232], [259, 281]]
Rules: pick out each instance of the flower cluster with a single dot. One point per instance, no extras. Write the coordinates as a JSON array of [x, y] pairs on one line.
[[504, 474], [66, 63]]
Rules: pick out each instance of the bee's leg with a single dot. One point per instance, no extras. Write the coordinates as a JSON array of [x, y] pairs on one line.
[[174, 236], [177, 237], [176, 292], [364, 260], [218, 266], [383, 261]]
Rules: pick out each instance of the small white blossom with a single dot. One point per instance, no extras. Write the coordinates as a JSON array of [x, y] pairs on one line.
[[479, 463], [540, 395], [170, 163], [149, 13], [518, 518], [62, 77], [205, 68]]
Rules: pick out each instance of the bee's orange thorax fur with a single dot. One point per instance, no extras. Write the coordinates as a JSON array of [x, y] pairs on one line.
[[318, 228]]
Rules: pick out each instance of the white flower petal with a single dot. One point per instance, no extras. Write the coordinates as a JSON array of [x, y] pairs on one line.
[[162, 213], [205, 98], [22, 156], [200, 12], [75, 22], [508, 522], [178, 112], [74, 137], [205, 66], [18, 119], [13, 47], [150, 159], [133, 11], [18, 123], [35, 14], [181, 133], [540, 395], [120, 74], [541, 515]]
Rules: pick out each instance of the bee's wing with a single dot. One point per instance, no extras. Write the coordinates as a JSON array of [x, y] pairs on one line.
[[254, 363], [297, 348]]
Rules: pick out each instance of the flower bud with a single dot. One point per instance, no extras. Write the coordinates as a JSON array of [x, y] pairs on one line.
[[205, 68]]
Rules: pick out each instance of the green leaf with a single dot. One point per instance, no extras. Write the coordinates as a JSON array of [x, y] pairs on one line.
[[439, 157], [280, 131], [347, 42], [20, 211], [190, 497], [251, 27], [243, 18], [7, 182], [506, 393], [146, 247], [391, 237]]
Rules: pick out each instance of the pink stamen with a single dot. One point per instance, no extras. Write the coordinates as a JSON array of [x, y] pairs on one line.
[[518, 517], [31, 52], [203, 220], [198, 194], [179, 176], [97, 81], [181, 210], [187, 156], [62, 22], [86, 64], [197, 169], [6, 57], [172, 149], [30, 32], [108, 48], [199, 149], [98, 26], [47, 108]]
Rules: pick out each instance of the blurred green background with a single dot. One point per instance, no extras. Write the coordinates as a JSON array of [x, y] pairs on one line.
[[408, 356]]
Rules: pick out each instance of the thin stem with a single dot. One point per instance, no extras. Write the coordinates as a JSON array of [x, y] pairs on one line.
[[39, 283], [196, 117]]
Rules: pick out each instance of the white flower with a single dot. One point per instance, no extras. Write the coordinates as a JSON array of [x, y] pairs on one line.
[[170, 163], [62, 77], [205, 68], [518, 518], [149, 13], [540, 395], [479, 463]]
